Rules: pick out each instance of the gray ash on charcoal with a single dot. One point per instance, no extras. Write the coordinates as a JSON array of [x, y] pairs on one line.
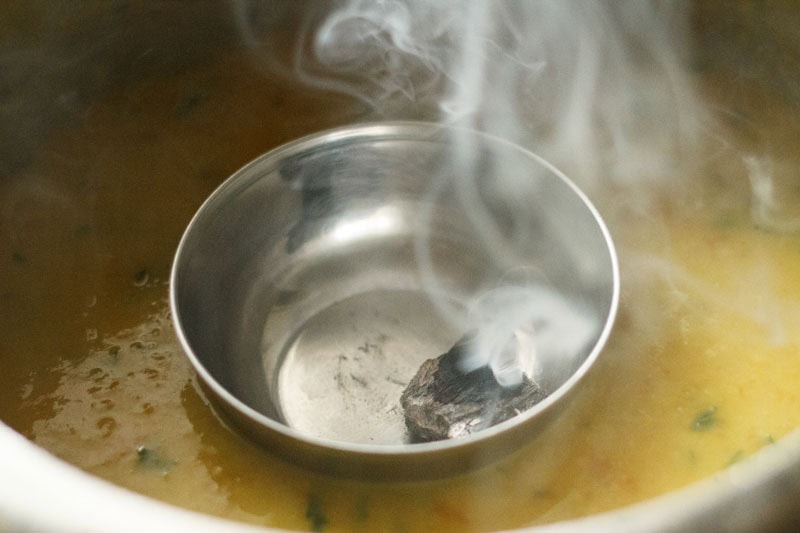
[[442, 402]]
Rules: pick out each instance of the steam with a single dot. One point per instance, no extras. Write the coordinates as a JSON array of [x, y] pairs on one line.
[[538, 327], [774, 201], [597, 88]]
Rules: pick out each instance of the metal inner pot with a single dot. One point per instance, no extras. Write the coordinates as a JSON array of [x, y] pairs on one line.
[[59, 60]]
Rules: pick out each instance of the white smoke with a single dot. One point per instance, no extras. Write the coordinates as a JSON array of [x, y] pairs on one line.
[[538, 327], [774, 202], [597, 87]]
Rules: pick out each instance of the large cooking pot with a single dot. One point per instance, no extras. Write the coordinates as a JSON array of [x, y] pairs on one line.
[[57, 61]]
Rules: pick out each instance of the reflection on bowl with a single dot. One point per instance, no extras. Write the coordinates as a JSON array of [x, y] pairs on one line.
[[311, 286]]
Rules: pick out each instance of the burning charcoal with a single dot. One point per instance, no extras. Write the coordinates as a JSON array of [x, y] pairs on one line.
[[443, 402]]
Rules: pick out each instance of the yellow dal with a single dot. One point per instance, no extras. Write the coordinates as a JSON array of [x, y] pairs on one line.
[[702, 369]]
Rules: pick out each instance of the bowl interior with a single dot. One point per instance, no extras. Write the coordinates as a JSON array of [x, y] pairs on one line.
[[313, 283]]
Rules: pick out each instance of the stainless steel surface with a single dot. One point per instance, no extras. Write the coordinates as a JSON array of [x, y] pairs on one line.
[[56, 59], [310, 287]]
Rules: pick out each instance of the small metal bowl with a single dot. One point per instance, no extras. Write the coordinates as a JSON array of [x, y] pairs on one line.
[[312, 284]]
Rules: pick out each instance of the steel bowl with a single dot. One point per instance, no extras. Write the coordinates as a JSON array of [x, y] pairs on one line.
[[59, 61], [313, 283]]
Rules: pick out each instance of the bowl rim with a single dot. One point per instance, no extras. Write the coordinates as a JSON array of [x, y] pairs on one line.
[[386, 130]]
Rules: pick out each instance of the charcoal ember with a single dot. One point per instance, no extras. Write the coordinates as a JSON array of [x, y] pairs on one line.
[[442, 402]]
